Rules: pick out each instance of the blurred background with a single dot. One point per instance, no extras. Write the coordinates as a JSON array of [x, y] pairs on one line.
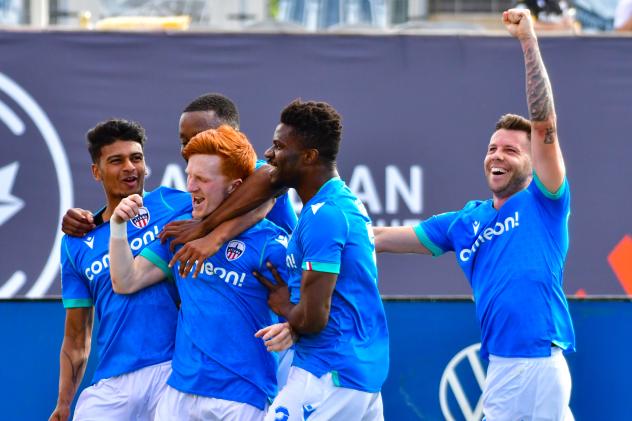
[[311, 15], [419, 84]]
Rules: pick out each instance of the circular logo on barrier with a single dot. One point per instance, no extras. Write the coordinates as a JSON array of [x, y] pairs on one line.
[[461, 386], [35, 192]]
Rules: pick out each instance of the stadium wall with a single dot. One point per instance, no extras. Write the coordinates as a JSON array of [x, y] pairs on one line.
[[418, 112], [431, 340]]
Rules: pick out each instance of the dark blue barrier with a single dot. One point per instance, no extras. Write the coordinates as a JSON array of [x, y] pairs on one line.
[[425, 338]]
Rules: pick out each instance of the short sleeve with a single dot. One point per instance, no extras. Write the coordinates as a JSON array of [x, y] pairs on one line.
[[433, 233], [75, 290], [555, 204], [323, 238], [159, 255]]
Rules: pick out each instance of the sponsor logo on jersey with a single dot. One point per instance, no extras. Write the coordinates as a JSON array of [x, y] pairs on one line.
[[475, 226], [234, 250], [89, 241], [317, 206], [142, 219], [290, 261], [489, 234], [229, 276], [283, 240], [136, 244]]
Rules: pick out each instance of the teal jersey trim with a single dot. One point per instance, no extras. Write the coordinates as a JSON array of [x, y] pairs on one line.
[[77, 302], [335, 378], [322, 267], [554, 196], [157, 261], [426, 242], [263, 253]]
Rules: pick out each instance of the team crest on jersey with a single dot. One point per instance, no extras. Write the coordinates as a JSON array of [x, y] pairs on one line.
[[235, 249], [142, 219]]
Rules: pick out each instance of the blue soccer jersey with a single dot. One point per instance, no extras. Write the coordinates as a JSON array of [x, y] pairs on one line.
[[282, 213], [514, 260], [334, 235], [135, 330], [216, 352]]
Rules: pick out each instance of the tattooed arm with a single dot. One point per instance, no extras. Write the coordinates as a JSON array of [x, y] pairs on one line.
[[75, 350], [548, 162]]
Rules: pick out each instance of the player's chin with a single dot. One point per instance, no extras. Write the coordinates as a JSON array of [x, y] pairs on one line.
[[128, 192], [274, 175], [496, 187], [132, 188]]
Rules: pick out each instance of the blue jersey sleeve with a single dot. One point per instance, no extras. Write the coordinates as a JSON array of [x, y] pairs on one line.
[[75, 290], [434, 233], [159, 255], [323, 238], [557, 204]]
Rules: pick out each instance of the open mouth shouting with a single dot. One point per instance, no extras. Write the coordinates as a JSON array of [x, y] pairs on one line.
[[197, 202]]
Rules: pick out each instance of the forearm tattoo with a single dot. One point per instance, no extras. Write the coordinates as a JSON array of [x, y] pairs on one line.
[[539, 93], [549, 137]]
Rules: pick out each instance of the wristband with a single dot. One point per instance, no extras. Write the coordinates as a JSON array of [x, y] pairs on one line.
[[118, 229]]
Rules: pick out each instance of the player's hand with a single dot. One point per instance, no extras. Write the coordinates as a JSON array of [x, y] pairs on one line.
[[279, 294], [77, 222], [519, 23], [61, 413], [127, 208], [193, 254], [277, 337], [182, 232]]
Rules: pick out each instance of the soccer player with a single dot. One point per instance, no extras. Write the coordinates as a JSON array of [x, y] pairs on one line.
[[341, 357], [512, 249], [220, 369], [136, 333], [209, 111]]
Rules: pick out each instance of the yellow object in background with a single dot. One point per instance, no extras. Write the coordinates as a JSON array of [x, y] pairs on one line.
[[144, 23]]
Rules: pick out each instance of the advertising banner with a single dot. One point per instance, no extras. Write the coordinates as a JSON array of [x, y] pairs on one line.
[[418, 112]]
